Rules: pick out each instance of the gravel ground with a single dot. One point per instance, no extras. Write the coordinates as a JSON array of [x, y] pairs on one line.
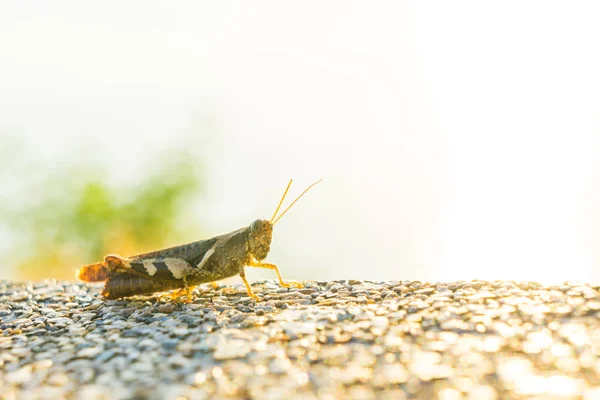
[[330, 340]]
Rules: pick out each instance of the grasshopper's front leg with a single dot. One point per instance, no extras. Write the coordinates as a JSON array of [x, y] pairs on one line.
[[257, 264], [248, 287]]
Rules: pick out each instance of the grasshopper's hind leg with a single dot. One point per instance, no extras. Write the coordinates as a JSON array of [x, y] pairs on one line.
[[185, 291], [258, 264], [175, 295]]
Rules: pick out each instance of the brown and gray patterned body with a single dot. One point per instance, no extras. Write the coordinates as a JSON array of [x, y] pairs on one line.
[[190, 264]]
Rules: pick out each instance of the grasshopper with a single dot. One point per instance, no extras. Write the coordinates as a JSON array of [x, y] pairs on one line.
[[185, 266]]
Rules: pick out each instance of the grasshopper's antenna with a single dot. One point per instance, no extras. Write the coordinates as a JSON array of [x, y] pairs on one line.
[[293, 202], [281, 201]]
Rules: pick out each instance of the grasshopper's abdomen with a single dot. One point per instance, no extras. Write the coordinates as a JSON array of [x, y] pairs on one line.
[[123, 285]]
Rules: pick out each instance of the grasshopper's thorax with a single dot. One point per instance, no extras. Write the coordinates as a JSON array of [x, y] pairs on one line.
[[259, 238]]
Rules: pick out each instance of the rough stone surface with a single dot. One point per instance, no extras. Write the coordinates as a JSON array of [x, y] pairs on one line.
[[342, 339]]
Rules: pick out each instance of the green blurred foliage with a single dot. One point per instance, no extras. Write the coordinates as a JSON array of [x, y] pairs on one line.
[[77, 215]]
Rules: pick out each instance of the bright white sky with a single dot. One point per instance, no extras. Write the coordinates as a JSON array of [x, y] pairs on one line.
[[457, 140]]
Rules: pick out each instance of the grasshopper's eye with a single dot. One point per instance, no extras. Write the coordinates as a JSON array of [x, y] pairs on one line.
[[256, 227], [261, 228]]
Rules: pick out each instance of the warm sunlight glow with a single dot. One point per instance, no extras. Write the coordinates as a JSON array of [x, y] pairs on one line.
[[458, 140]]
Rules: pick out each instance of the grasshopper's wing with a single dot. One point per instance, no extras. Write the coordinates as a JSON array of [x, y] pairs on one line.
[[190, 252], [101, 271], [173, 263]]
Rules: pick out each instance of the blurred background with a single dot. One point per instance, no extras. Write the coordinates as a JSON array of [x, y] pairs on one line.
[[457, 140]]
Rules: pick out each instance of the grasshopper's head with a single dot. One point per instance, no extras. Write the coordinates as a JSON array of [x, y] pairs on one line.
[[259, 238], [261, 230]]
